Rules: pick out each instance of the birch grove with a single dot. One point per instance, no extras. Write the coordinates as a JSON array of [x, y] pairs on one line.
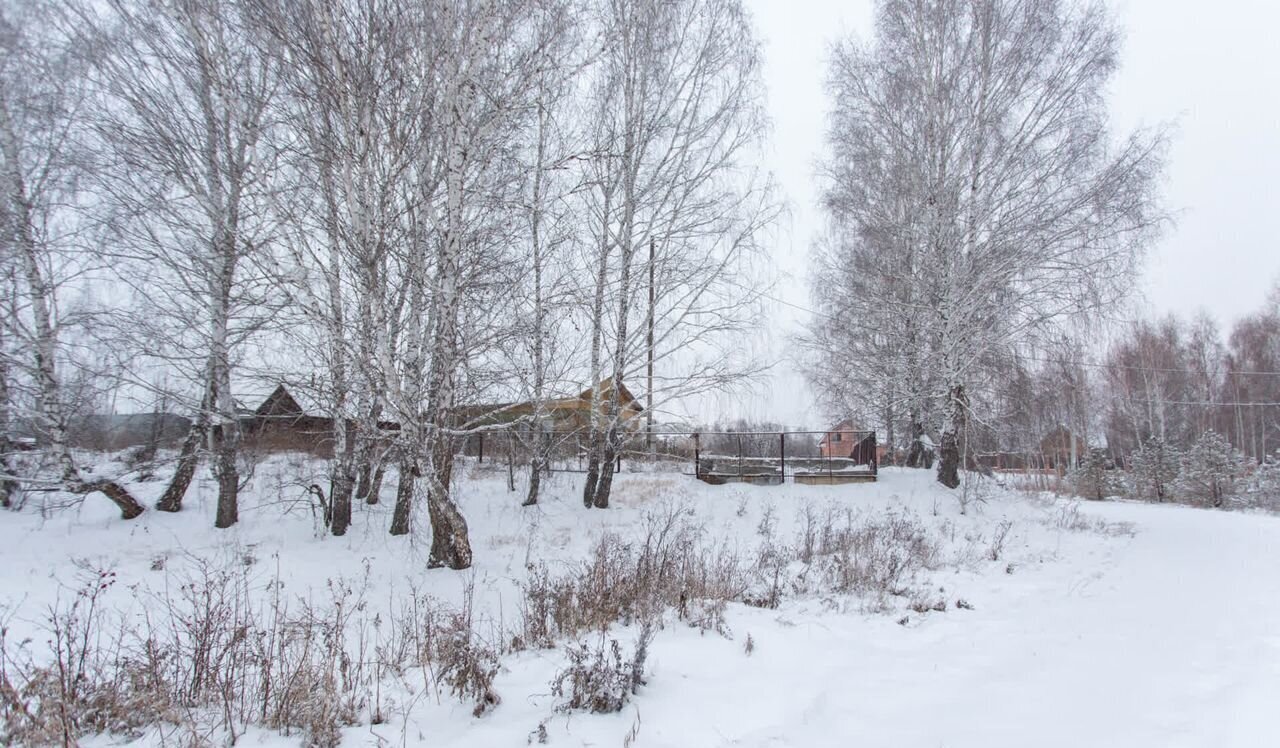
[[401, 210], [185, 106]]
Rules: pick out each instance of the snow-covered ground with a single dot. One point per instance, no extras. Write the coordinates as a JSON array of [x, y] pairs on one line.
[[1104, 624]]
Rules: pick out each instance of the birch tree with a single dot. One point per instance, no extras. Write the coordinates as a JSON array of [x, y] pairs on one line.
[[361, 98], [184, 115], [985, 121], [550, 224], [490, 78], [678, 97], [42, 157]]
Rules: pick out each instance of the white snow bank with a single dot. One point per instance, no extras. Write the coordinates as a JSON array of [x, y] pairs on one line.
[[1169, 636]]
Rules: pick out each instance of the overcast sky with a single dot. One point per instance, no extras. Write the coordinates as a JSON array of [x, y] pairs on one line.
[[1210, 69]]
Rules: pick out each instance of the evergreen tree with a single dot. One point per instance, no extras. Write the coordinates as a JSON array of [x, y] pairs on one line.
[[1154, 469], [1211, 470]]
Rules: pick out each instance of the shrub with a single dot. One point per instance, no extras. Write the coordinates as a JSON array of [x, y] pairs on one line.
[[671, 567], [1210, 471], [600, 679], [467, 664], [998, 538], [1153, 470], [1092, 477], [209, 656], [1262, 487], [877, 555]]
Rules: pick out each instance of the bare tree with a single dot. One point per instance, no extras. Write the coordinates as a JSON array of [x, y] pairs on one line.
[[550, 224], [42, 88], [1251, 382], [974, 133], [186, 99], [361, 102], [678, 98]]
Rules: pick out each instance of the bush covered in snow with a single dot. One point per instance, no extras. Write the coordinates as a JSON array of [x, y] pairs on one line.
[[1094, 478], [599, 679], [1211, 471], [1261, 488], [1153, 470]]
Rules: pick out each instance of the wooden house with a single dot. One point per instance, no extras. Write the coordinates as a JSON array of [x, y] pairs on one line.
[[572, 413], [282, 424], [1052, 454], [1056, 449]]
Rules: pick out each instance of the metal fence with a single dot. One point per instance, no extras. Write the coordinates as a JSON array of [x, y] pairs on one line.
[[713, 456]]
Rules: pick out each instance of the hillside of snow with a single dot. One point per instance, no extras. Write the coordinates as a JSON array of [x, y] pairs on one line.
[[1027, 621]]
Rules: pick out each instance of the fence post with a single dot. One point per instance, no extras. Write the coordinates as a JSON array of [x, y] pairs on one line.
[[480, 449], [782, 456], [511, 462], [739, 457], [697, 455]]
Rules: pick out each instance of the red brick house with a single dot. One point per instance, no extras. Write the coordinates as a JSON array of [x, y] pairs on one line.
[[847, 441]]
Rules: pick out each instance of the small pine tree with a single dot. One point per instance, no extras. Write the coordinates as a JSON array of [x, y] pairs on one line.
[[1153, 470], [1262, 487], [1092, 479], [1211, 471]]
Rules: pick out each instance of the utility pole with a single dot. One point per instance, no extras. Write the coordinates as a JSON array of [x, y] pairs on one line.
[[649, 393]]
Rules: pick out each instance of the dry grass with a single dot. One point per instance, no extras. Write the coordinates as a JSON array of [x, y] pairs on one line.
[[223, 649]]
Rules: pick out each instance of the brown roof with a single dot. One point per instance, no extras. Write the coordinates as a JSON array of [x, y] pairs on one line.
[[279, 403]]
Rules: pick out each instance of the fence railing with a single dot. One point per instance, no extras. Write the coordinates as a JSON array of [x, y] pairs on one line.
[[716, 456]]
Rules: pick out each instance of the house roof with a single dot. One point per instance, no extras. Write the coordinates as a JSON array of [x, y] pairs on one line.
[[845, 425], [279, 403], [282, 401], [1060, 437], [499, 412], [252, 392], [605, 388]]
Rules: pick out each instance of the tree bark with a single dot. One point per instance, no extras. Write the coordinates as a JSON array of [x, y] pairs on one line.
[[8, 478], [949, 449], [188, 456], [341, 485], [604, 487], [597, 333], [227, 446], [537, 465], [225, 449], [916, 456], [450, 545], [404, 497]]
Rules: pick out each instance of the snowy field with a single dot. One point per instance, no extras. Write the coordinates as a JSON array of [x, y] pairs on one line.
[[1103, 624]]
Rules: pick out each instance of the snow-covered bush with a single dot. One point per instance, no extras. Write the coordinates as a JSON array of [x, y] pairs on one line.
[[215, 660], [1093, 477], [1211, 471], [599, 678], [671, 567], [88, 685], [878, 555], [466, 663], [1262, 486], [1153, 470]]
